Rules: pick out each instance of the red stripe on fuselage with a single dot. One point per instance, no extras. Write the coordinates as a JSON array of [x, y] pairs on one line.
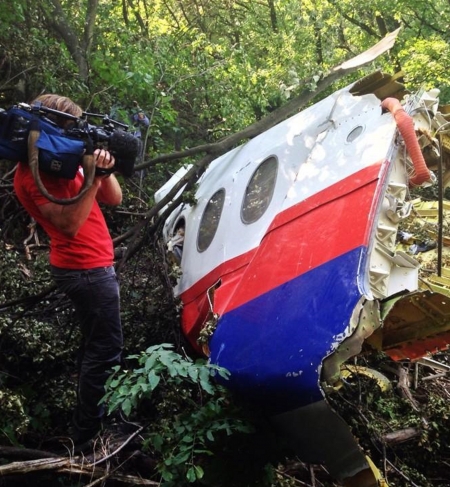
[[306, 235], [321, 228]]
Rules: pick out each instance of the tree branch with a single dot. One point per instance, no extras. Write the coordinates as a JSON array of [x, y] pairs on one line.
[[77, 465], [311, 91]]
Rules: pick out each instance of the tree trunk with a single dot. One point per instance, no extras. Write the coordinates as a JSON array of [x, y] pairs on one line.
[[78, 48]]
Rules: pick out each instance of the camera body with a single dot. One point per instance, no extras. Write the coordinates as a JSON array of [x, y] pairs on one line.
[[61, 150], [111, 136]]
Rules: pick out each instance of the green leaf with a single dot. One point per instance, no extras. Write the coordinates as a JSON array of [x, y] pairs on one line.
[[205, 381], [150, 362], [126, 407], [199, 472], [153, 380], [167, 474], [191, 474], [157, 441], [181, 457], [193, 373]]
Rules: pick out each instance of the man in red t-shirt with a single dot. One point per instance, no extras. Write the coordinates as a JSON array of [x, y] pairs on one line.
[[81, 259]]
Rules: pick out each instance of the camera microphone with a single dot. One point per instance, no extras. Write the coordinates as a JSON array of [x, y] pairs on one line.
[[126, 148]]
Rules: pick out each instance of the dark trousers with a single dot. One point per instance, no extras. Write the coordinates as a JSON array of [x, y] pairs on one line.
[[95, 295]]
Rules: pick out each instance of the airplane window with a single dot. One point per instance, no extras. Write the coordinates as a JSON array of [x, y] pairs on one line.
[[355, 133], [259, 192], [210, 220], [175, 244]]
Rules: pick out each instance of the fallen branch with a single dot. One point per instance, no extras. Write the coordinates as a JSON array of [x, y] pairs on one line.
[[102, 474], [28, 466], [24, 453], [403, 387], [121, 446], [70, 466], [400, 436]]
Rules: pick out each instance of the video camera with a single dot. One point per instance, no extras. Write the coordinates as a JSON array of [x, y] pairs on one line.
[[61, 150]]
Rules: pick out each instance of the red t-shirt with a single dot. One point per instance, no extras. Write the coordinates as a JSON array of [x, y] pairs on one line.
[[91, 247]]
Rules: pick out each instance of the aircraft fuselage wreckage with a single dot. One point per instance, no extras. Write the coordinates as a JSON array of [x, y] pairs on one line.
[[290, 260]]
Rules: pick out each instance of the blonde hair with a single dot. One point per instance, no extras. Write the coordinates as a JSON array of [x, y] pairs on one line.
[[60, 103]]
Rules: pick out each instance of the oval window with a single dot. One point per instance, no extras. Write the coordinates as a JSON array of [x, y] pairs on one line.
[[355, 133], [210, 220], [259, 191]]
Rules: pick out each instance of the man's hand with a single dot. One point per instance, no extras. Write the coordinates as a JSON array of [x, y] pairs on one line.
[[109, 191], [104, 160]]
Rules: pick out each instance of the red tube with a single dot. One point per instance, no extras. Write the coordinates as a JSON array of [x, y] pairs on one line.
[[405, 125]]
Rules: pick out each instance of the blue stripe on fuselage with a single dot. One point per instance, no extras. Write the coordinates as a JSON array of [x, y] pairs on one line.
[[274, 345]]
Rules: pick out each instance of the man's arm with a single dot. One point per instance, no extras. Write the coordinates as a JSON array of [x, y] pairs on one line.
[[109, 192], [68, 219]]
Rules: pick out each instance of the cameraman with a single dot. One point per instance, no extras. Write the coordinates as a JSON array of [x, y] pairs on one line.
[[81, 259]]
